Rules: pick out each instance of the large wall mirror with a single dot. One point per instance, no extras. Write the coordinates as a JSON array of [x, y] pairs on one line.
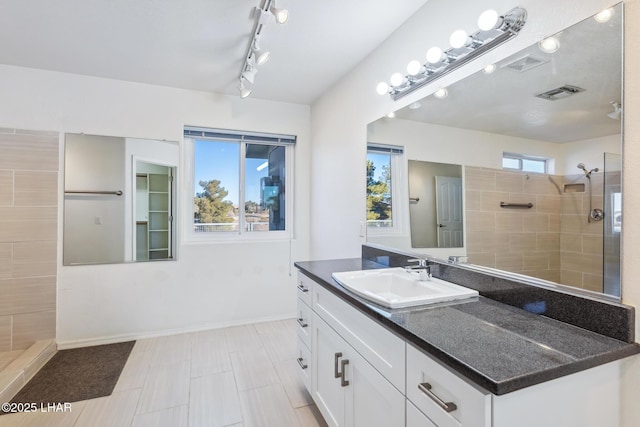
[[119, 199], [538, 139]]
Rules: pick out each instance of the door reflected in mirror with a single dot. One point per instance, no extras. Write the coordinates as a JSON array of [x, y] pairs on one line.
[[119, 199], [435, 204]]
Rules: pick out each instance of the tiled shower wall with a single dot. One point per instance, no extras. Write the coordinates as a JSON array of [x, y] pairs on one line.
[[580, 240], [28, 229], [519, 240], [552, 240]]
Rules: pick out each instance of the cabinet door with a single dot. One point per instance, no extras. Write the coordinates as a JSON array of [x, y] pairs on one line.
[[371, 400], [327, 391]]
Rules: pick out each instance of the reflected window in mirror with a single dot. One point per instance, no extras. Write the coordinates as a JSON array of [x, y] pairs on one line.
[[524, 163], [239, 183], [384, 173]]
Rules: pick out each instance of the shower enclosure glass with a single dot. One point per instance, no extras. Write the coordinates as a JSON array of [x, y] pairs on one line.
[[612, 223]]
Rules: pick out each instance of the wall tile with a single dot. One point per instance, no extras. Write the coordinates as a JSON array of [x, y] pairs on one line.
[[592, 244], [490, 200], [510, 262], [487, 260], [481, 221], [521, 242], [5, 333], [28, 224], [509, 182], [548, 242], [38, 251], [6, 187], [6, 250], [593, 282], [585, 263], [509, 222], [472, 200], [34, 188], [547, 204], [479, 179], [31, 327], [27, 295], [536, 261], [571, 242], [29, 152], [571, 278], [536, 223]]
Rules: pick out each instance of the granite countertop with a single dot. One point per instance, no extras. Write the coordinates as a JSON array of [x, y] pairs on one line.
[[499, 347]]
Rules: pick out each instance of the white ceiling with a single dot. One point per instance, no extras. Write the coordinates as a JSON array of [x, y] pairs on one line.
[[590, 57], [199, 44]]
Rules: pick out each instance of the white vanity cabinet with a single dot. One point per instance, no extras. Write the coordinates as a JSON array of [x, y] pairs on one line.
[[361, 374], [304, 321], [445, 398], [346, 388]]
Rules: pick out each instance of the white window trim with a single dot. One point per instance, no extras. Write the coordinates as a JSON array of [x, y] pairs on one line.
[[188, 233], [520, 157], [399, 197]]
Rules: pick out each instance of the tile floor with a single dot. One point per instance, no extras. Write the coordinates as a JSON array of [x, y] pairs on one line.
[[239, 376]]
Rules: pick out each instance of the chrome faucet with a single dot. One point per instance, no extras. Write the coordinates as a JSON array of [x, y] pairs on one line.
[[422, 266]]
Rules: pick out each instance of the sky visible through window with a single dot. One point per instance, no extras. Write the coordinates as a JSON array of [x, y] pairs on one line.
[[221, 160], [379, 160]]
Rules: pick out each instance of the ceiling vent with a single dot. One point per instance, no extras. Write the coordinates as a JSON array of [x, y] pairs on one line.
[[560, 92], [525, 63]]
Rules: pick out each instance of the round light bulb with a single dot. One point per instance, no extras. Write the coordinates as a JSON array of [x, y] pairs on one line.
[[434, 55], [458, 39], [488, 20], [414, 67], [489, 69], [441, 93], [382, 88], [604, 16], [396, 79], [549, 45], [391, 115]]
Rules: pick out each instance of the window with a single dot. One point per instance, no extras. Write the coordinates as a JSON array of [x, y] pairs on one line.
[[383, 169], [524, 163], [239, 182]]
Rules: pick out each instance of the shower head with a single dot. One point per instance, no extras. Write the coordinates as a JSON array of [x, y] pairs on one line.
[[586, 172], [581, 166]]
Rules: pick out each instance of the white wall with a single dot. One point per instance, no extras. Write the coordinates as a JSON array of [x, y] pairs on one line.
[[340, 117], [210, 284]]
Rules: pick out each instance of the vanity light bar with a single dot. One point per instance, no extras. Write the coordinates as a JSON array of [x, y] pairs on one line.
[[494, 30]]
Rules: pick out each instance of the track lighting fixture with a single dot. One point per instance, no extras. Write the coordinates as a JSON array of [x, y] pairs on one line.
[[244, 92], [493, 30], [255, 55]]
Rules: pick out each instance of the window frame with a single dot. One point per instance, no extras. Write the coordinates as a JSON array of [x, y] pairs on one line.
[[399, 191], [243, 138], [521, 157]]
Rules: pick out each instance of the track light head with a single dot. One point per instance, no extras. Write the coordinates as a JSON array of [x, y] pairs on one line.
[[244, 92], [281, 15]]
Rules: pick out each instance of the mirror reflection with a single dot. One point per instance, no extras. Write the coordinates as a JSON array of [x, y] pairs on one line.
[[119, 201], [538, 138]]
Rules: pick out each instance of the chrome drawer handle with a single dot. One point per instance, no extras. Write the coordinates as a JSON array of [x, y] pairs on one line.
[[447, 406], [336, 374], [301, 363], [343, 381], [302, 288], [301, 323]]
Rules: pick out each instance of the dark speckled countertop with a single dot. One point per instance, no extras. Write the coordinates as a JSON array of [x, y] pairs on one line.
[[497, 346]]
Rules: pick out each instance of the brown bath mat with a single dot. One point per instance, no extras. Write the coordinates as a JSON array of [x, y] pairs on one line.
[[77, 374]]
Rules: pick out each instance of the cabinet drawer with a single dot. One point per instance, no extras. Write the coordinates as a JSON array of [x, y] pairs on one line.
[[305, 288], [415, 418], [304, 319], [380, 347], [304, 363], [431, 386]]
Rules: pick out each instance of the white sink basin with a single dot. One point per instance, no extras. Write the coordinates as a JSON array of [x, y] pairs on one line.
[[398, 288]]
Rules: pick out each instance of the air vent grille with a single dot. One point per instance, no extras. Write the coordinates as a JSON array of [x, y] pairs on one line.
[[525, 63], [560, 92]]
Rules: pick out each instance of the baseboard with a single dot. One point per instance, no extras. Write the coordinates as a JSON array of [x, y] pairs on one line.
[[88, 342]]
